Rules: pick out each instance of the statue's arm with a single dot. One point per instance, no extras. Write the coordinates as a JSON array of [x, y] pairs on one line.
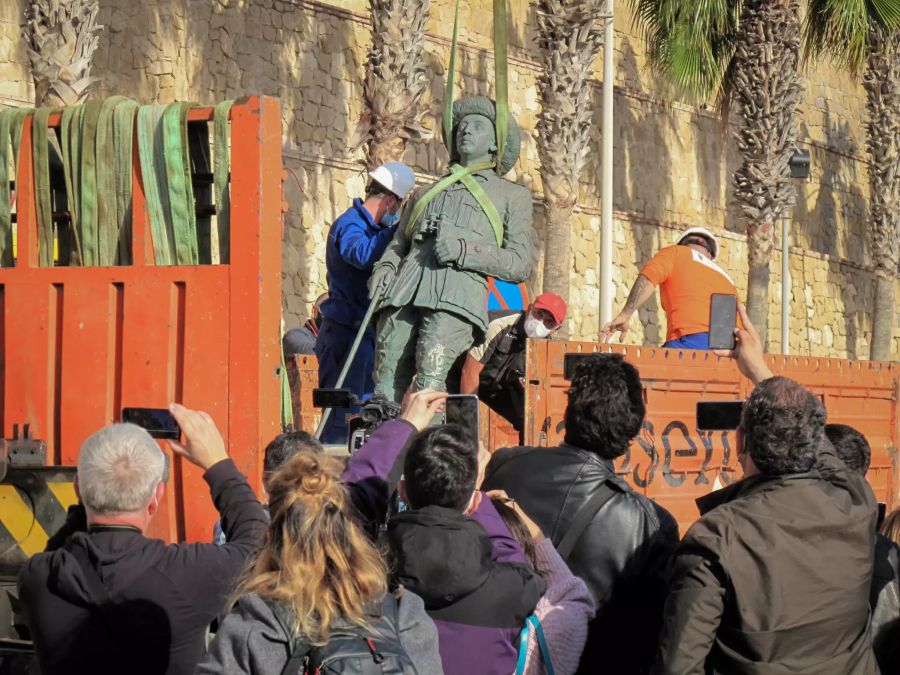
[[515, 259]]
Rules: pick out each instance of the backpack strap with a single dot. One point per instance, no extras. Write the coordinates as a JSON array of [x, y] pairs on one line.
[[583, 518], [296, 663]]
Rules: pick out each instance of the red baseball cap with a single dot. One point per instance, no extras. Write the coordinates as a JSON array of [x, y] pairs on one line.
[[551, 302]]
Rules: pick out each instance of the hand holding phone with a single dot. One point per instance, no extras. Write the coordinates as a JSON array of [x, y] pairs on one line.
[[203, 444]]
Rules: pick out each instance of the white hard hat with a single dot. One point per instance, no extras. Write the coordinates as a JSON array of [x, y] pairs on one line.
[[703, 232], [396, 177]]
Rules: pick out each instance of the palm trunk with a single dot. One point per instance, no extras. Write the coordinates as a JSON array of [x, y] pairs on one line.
[[62, 38], [766, 83], [558, 250], [396, 79], [882, 83]]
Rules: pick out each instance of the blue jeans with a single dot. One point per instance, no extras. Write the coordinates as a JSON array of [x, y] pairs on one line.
[[693, 341], [332, 348]]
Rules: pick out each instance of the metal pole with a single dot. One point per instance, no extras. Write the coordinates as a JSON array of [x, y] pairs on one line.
[[606, 194], [326, 412], [785, 287]]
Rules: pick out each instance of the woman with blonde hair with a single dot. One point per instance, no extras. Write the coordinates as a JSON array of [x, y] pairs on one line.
[[318, 590]]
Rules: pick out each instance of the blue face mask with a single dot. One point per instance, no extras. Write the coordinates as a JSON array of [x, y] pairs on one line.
[[390, 219]]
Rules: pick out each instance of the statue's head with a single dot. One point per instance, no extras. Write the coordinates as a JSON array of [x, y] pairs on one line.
[[482, 109], [476, 137]]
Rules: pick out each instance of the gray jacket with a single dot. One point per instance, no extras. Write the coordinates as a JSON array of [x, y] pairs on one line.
[[461, 286], [251, 639], [885, 601]]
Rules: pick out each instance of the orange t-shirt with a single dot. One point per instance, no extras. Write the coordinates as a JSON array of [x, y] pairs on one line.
[[686, 279]]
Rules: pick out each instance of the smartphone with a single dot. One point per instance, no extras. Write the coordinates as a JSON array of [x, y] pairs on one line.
[[158, 422], [719, 415], [462, 409], [722, 320], [333, 398]]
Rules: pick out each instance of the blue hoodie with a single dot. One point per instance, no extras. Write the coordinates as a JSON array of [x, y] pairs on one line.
[[355, 243]]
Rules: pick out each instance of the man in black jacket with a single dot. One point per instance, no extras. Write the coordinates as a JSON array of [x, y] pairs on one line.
[[623, 551], [110, 600]]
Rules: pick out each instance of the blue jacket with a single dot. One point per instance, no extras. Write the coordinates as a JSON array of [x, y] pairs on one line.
[[355, 243]]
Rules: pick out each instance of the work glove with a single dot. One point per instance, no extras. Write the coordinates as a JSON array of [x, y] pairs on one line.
[[447, 250], [381, 277]]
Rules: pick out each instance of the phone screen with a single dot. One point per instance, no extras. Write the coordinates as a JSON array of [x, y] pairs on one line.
[[158, 422], [462, 409], [722, 320], [719, 415]]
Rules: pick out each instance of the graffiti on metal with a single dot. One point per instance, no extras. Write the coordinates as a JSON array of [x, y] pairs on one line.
[[656, 453]]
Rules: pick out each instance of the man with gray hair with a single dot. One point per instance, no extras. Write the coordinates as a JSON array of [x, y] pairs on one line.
[[111, 600]]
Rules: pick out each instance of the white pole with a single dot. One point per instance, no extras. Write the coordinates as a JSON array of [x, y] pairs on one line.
[[606, 194], [785, 287]]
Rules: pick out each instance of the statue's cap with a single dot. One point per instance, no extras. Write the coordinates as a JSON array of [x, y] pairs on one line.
[[482, 105]]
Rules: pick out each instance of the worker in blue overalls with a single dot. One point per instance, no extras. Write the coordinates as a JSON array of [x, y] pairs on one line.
[[356, 242]]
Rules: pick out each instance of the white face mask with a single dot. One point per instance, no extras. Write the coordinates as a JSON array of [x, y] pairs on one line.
[[535, 329]]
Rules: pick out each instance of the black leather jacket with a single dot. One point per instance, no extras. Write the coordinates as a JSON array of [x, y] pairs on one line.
[[622, 555]]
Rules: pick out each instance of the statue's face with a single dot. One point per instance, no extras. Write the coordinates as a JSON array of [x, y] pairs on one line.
[[476, 137]]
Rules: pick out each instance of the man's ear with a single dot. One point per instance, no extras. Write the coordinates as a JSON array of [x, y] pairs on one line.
[[474, 502], [157, 499]]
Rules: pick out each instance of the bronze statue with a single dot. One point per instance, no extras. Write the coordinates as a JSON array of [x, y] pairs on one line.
[[432, 279]]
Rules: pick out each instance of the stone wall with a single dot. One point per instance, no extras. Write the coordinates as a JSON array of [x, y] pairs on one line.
[[673, 160]]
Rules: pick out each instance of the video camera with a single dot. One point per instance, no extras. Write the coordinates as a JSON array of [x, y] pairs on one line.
[[373, 413]]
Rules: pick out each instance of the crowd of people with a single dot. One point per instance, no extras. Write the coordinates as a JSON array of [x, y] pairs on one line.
[[422, 553]]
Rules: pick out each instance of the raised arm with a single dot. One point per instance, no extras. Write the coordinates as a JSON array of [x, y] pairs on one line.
[[640, 292], [361, 249]]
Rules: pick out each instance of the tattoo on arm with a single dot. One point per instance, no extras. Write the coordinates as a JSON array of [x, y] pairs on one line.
[[638, 293]]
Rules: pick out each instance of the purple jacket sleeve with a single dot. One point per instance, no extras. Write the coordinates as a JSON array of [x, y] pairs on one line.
[[367, 473], [505, 547]]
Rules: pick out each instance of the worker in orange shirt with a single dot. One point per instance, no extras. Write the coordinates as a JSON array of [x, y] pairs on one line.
[[687, 276]]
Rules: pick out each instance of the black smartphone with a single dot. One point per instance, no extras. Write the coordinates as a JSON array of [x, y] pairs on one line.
[[719, 415], [462, 409], [333, 398], [722, 320], [158, 422]]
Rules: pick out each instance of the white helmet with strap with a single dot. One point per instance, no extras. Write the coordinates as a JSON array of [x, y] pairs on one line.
[[701, 232], [396, 177]]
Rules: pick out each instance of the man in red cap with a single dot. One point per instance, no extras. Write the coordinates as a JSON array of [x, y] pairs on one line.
[[495, 369]]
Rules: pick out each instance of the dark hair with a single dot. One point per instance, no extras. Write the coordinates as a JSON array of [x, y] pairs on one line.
[[441, 467], [606, 405], [375, 189], [699, 240], [783, 425], [518, 530], [851, 446], [286, 445], [890, 528]]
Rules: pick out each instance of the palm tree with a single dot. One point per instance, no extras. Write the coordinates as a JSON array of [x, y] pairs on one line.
[[570, 34], [746, 52], [865, 37], [396, 79], [62, 37]]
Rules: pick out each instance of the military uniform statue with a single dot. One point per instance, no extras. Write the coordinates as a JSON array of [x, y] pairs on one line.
[[452, 236]]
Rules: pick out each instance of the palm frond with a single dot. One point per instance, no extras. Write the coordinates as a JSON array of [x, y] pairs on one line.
[[839, 29]]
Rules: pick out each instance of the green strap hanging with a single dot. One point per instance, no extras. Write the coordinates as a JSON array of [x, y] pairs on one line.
[[151, 147], [489, 208], [123, 129], [220, 178], [182, 224], [40, 153], [88, 207], [6, 238], [501, 78], [448, 90]]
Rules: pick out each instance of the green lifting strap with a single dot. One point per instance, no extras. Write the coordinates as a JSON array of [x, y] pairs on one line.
[[460, 174], [40, 149], [500, 78], [123, 129], [220, 178], [150, 147], [107, 207], [448, 91], [183, 221], [90, 239], [6, 238]]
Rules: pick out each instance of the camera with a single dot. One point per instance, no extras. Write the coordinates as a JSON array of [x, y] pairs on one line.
[[374, 412]]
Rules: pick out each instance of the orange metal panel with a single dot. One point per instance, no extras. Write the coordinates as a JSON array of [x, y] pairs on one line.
[[78, 344], [674, 463]]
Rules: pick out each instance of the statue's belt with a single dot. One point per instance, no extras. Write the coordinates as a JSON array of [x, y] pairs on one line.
[[460, 174]]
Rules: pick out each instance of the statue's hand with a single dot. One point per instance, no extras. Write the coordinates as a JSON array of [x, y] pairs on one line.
[[381, 277], [447, 250]]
